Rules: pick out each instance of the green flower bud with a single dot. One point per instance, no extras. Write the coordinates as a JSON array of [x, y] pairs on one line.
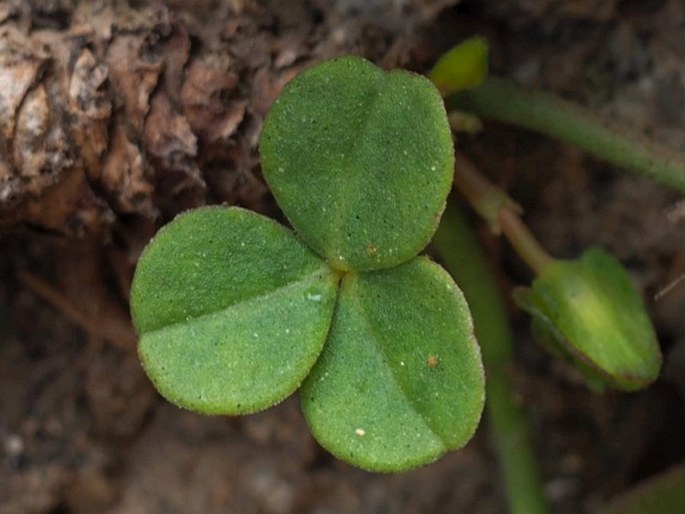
[[463, 67], [589, 311]]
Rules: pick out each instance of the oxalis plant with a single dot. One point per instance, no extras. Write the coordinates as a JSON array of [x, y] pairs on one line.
[[235, 311]]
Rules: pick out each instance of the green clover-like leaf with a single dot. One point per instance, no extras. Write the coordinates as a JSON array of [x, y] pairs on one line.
[[400, 380], [360, 161], [589, 311], [232, 310]]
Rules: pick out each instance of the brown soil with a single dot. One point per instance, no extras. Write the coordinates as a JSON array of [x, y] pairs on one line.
[[115, 117]]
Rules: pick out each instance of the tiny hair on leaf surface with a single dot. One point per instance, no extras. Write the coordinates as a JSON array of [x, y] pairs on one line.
[[360, 161], [401, 364], [232, 310]]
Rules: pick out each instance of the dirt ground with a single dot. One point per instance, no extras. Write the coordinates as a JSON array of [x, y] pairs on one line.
[[148, 109]]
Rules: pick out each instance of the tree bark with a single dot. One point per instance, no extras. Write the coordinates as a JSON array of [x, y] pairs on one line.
[[109, 111]]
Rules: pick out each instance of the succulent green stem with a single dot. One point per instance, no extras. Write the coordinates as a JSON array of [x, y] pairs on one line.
[[506, 101], [460, 252], [500, 212]]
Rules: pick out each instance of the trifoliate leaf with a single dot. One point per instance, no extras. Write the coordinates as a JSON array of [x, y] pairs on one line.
[[232, 310]]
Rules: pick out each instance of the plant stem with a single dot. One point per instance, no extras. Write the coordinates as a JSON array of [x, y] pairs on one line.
[[501, 213], [523, 241], [460, 252], [506, 101]]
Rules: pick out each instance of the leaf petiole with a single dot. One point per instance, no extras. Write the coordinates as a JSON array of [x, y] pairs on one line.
[[500, 212], [506, 101]]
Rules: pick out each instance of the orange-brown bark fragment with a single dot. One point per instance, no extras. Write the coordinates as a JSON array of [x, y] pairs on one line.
[[206, 97], [138, 109]]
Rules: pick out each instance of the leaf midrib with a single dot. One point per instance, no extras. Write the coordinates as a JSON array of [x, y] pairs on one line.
[[355, 145], [320, 274], [375, 338]]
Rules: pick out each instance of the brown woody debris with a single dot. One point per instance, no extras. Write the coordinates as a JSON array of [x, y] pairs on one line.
[[106, 110]]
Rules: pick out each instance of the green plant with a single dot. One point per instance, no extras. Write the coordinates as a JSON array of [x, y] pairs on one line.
[[235, 311], [585, 311], [458, 248]]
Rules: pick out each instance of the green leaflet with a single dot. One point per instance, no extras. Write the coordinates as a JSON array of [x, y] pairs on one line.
[[360, 161], [400, 380], [589, 311], [232, 310]]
